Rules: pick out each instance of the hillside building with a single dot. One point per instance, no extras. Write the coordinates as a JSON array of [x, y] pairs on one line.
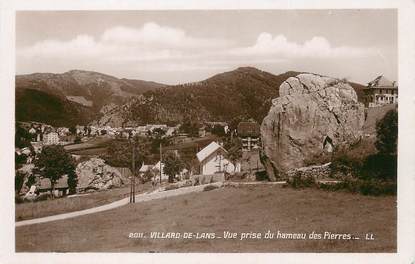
[[249, 133], [51, 138], [380, 92]]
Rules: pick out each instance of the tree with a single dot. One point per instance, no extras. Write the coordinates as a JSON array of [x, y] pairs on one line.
[[30, 180], [72, 130], [172, 165], [234, 148], [218, 130], [190, 127], [383, 165], [53, 162], [19, 160], [387, 133], [120, 152], [22, 137], [158, 137], [146, 177], [18, 181], [72, 182]]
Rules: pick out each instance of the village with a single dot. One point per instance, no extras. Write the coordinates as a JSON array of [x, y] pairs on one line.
[[206, 148], [213, 150]]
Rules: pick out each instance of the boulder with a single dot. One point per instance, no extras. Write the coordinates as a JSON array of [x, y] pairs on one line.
[[314, 116], [94, 174], [27, 170]]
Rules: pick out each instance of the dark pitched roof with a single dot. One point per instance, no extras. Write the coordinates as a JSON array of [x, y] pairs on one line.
[[248, 129]]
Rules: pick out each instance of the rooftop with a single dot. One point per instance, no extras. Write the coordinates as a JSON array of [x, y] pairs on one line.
[[381, 81], [248, 129], [208, 150]]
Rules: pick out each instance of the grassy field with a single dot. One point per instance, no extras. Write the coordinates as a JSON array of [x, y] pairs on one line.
[[234, 209], [96, 142], [27, 211]]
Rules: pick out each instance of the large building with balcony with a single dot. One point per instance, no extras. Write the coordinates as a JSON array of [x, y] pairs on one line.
[[51, 138], [380, 92], [249, 134]]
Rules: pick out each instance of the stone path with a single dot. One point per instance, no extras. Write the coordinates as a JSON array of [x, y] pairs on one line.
[[138, 198]]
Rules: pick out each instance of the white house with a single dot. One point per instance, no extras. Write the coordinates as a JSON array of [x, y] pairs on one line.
[[160, 167], [212, 160]]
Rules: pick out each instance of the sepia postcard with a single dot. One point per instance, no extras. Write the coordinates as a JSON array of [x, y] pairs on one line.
[[217, 129]]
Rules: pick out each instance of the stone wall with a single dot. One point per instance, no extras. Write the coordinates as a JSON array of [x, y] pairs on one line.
[[206, 179], [316, 172]]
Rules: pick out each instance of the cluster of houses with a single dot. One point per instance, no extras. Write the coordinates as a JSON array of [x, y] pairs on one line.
[[212, 158], [125, 132], [48, 135], [208, 152]]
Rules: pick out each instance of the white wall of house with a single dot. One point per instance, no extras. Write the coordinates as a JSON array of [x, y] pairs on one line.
[[216, 162], [156, 170]]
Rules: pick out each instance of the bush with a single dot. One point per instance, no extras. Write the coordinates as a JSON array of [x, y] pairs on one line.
[[261, 176], [379, 166], [377, 188], [77, 140], [298, 182], [210, 188], [387, 133], [344, 165], [147, 176]]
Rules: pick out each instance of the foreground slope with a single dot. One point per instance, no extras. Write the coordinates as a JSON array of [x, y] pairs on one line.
[[241, 209]]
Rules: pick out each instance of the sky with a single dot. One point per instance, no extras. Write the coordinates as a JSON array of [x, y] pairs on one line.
[[179, 46]]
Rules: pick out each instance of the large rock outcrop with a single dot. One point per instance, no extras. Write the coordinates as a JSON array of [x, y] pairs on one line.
[[313, 116], [94, 174]]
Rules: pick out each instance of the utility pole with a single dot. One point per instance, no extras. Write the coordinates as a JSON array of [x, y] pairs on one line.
[[161, 162], [133, 171], [132, 181]]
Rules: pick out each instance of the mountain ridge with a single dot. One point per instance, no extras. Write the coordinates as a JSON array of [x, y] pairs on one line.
[[76, 92], [242, 93]]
